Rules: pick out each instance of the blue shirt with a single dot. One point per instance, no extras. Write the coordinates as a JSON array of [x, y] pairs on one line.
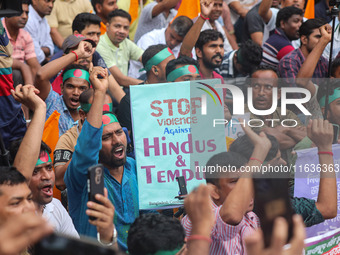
[[124, 196], [56, 102]]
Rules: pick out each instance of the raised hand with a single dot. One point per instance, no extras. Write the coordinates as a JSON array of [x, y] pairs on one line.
[[326, 32], [99, 83], [198, 207], [321, 133], [28, 95], [85, 50], [206, 7]]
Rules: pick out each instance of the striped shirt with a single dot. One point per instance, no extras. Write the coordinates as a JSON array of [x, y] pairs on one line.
[[275, 48], [227, 239]]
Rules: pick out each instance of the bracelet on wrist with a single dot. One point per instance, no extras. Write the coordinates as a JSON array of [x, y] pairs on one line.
[[256, 159], [325, 152], [199, 237], [207, 18], [114, 238], [75, 54]]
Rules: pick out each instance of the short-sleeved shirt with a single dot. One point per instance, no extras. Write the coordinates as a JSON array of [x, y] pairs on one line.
[[65, 146], [227, 239], [121, 56], [40, 32], [64, 12], [23, 46], [307, 209], [58, 217], [124, 195], [252, 23], [276, 47], [148, 23], [55, 102], [246, 4]]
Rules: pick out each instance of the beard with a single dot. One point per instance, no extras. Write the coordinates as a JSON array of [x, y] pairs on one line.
[[209, 63], [110, 160]]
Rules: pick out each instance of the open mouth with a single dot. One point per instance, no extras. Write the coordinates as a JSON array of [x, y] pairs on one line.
[[119, 152], [47, 190], [74, 101]]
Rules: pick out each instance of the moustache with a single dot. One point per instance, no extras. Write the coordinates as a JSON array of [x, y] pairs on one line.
[[116, 146], [217, 55], [45, 183]]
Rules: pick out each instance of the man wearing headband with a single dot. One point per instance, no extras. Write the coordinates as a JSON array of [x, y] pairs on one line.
[[154, 60], [75, 81], [182, 69], [41, 184], [102, 140], [333, 113], [66, 143], [172, 36]]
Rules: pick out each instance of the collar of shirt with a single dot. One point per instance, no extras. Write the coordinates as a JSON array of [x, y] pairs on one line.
[[280, 32], [108, 42], [9, 36], [33, 14]]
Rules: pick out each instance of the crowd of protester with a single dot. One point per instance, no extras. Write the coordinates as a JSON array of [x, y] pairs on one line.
[[77, 59]]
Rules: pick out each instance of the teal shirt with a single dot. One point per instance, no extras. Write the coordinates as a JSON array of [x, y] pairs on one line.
[[124, 196]]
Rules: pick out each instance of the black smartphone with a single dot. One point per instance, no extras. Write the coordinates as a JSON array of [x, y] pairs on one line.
[[95, 182], [57, 244], [335, 133], [271, 201]]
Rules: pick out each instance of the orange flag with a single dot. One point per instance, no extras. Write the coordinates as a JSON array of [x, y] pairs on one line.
[[309, 11], [189, 8], [51, 137], [133, 10]]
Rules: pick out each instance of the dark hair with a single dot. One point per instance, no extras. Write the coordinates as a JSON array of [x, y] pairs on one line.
[[94, 2], [152, 51], [83, 20], [84, 97], [26, 2], [251, 55], [182, 60], [266, 68], [181, 25], [229, 158], [154, 232], [15, 144], [9, 175], [118, 13], [308, 26], [207, 36], [75, 66], [244, 146], [335, 65], [285, 13]]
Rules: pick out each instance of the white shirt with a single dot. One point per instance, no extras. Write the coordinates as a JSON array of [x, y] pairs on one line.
[[154, 37], [336, 45], [220, 29], [40, 33], [58, 217]]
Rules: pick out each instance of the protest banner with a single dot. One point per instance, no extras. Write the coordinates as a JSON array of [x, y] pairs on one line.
[[307, 178], [325, 244], [173, 137]]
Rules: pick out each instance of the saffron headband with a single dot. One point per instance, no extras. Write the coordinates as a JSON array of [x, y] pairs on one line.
[[331, 98], [109, 118], [44, 157], [156, 59], [86, 107], [184, 70], [77, 73]]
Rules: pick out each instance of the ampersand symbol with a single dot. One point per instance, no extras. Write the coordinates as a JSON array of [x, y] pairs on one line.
[[180, 162]]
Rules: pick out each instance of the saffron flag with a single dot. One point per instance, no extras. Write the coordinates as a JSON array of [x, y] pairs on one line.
[[189, 8], [310, 9], [51, 137], [134, 10]]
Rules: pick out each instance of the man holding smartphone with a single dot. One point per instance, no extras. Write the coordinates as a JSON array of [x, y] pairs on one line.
[[102, 140]]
